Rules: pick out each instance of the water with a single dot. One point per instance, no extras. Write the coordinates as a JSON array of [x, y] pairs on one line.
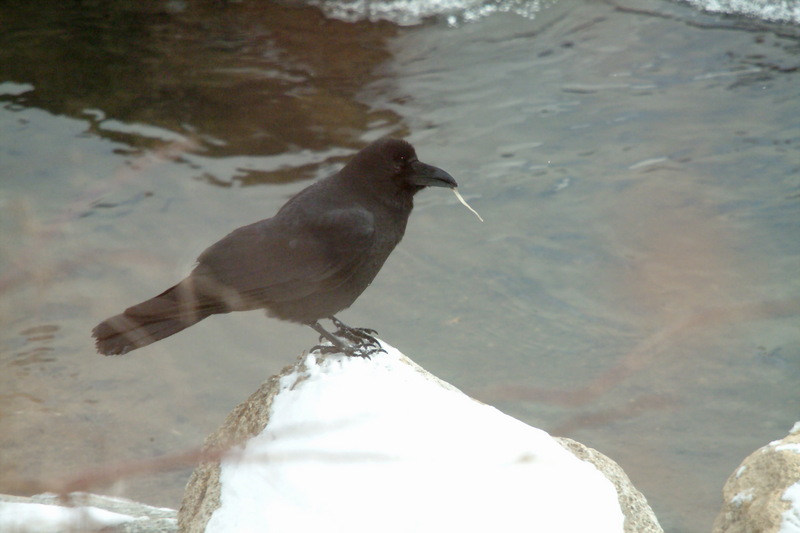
[[634, 285]]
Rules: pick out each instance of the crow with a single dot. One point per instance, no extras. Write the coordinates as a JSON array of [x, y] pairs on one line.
[[314, 258]]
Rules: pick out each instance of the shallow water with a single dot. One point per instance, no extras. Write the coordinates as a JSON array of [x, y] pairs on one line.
[[634, 285]]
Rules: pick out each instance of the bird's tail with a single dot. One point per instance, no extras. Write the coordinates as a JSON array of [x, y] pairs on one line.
[[157, 318]]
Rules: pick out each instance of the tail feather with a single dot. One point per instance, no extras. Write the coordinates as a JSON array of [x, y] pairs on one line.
[[150, 321]]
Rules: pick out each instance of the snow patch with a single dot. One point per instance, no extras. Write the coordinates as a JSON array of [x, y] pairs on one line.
[[362, 445], [42, 518], [790, 522], [745, 496]]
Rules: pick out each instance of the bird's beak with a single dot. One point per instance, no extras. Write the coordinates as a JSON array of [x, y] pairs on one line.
[[431, 176]]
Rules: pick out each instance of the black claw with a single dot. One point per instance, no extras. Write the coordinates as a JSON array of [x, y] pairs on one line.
[[325, 349], [359, 350], [358, 353], [361, 340], [366, 350]]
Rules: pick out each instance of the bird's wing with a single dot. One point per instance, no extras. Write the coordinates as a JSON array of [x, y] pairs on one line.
[[275, 260]]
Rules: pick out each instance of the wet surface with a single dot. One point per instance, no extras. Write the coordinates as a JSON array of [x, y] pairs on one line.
[[634, 285]]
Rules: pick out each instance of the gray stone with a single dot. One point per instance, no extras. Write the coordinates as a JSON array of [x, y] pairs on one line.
[[753, 494], [639, 517], [201, 497]]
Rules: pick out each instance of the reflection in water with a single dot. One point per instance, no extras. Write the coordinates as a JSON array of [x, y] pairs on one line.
[[31, 350], [250, 78], [38, 333]]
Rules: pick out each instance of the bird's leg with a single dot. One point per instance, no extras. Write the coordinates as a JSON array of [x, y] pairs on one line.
[[359, 349], [347, 331], [323, 333]]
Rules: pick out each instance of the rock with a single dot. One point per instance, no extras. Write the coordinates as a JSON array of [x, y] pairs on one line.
[[340, 443], [83, 512], [249, 418], [763, 494], [639, 517]]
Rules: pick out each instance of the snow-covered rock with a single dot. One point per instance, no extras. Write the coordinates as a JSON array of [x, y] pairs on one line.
[[639, 517], [336, 443], [763, 494]]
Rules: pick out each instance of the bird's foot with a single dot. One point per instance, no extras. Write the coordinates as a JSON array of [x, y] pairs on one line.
[[358, 335], [364, 342], [361, 340], [325, 349], [364, 350]]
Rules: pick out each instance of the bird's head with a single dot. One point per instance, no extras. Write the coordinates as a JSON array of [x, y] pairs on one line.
[[393, 162]]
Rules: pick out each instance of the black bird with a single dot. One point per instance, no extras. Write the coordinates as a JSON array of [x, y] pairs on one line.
[[308, 262]]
